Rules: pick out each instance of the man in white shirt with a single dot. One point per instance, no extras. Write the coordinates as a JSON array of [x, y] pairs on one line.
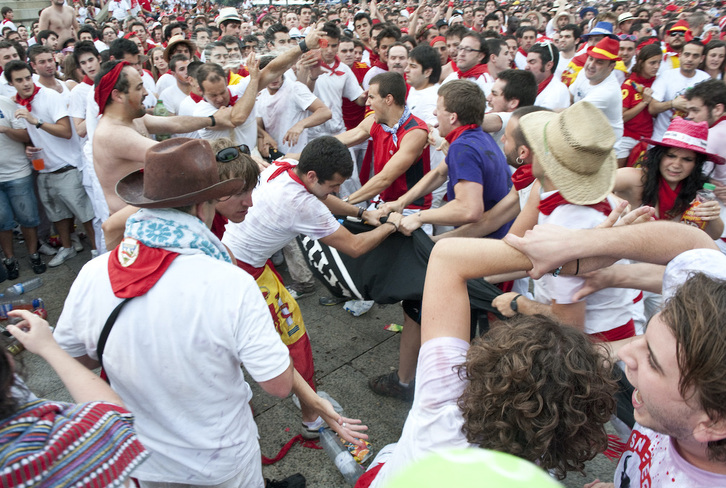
[[43, 63], [175, 94], [8, 52], [526, 37], [386, 38], [669, 87], [567, 44], [470, 62], [596, 83], [500, 59], [551, 92], [59, 183]]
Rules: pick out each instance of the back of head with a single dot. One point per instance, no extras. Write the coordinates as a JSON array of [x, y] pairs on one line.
[[210, 72], [695, 317], [519, 394], [327, 156], [711, 92], [465, 99], [121, 47], [521, 85]]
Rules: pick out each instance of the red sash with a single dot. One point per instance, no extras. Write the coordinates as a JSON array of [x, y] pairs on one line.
[[666, 199], [454, 134], [25, 102], [522, 177], [618, 333], [549, 204]]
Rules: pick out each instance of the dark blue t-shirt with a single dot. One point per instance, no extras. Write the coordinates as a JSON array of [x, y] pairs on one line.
[[475, 157]]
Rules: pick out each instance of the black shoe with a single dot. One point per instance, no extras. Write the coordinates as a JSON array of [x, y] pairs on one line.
[[37, 263], [389, 385], [295, 481], [3, 274], [330, 301], [12, 267]]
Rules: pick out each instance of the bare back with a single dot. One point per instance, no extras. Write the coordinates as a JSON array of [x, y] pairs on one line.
[[118, 149], [61, 21]]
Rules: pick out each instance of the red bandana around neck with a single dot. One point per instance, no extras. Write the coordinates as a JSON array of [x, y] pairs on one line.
[[549, 204], [543, 85], [232, 98], [522, 52], [474, 72], [380, 64], [106, 84], [25, 102], [522, 177], [286, 166], [333, 69], [87, 80], [454, 134], [721, 119], [147, 265], [198, 98], [666, 199]]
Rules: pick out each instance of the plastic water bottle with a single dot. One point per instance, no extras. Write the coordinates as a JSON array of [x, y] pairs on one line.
[[343, 460], [19, 304], [24, 287], [161, 111], [704, 195]]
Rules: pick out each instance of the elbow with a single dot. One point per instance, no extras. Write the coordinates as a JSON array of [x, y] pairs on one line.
[[238, 120], [327, 114], [471, 215]]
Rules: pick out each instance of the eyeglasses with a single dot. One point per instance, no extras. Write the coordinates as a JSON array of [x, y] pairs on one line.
[[231, 153], [467, 50], [677, 34], [628, 37]]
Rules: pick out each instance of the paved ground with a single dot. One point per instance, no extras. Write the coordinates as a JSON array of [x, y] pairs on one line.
[[347, 352]]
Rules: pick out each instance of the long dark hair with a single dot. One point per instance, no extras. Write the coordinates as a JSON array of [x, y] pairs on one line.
[[651, 180], [644, 55], [8, 403]]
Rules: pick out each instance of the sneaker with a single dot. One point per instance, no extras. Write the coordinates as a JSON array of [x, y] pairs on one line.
[[76, 241], [312, 432], [64, 254], [94, 253], [300, 290], [389, 385], [330, 301], [47, 249], [37, 264], [295, 481], [278, 258], [12, 267]]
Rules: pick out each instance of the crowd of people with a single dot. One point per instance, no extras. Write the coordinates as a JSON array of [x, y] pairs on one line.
[[571, 154]]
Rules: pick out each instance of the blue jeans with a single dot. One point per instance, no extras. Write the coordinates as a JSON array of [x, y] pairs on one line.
[[18, 203]]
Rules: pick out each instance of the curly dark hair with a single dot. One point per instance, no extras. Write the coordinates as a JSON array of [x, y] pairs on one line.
[[8, 403], [651, 181], [538, 390]]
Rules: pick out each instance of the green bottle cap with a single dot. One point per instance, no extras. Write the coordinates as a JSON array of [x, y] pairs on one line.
[[709, 186]]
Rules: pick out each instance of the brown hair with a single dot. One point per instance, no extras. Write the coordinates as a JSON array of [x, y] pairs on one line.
[[243, 166], [465, 99], [538, 390], [695, 316]]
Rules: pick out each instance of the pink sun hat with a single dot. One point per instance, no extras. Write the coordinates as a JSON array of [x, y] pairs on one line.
[[686, 134]]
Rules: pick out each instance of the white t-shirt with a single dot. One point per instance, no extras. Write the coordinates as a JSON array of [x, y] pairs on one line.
[[49, 106], [606, 309], [100, 45], [77, 106], [150, 87], [242, 134], [555, 96], [422, 104], [7, 23], [174, 358], [520, 60], [172, 98], [562, 65], [375, 70], [13, 164], [668, 86], [435, 421], [331, 89], [187, 108], [279, 112], [651, 459], [119, 9], [485, 81], [497, 136], [165, 81], [6, 89], [282, 210], [606, 96]]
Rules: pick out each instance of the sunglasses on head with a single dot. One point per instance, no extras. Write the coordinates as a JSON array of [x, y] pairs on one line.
[[231, 153], [628, 37]]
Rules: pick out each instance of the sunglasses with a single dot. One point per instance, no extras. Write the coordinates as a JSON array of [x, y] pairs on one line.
[[677, 34], [231, 153], [628, 37]]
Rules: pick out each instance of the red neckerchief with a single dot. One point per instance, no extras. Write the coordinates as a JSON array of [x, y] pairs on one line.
[[474, 72], [197, 98], [671, 52], [522, 177], [522, 52], [666, 199], [549, 204], [545, 82], [285, 166], [87, 80], [242, 71], [380, 64], [232, 99], [333, 69], [25, 102], [142, 274], [723, 117], [454, 134]]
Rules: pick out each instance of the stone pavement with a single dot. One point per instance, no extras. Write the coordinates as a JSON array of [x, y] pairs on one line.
[[347, 351]]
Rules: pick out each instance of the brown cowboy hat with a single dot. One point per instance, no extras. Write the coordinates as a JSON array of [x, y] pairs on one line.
[[180, 40], [177, 172]]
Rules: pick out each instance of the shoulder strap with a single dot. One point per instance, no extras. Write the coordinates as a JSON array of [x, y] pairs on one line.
[[107, 329]]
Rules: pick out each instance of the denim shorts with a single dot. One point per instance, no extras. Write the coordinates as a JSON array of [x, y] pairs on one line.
[[18, 203]]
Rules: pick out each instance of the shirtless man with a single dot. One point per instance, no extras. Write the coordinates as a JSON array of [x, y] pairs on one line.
[[61, 19]]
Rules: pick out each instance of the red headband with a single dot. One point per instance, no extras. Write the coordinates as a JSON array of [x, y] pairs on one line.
[[105, 86], [437, 39]]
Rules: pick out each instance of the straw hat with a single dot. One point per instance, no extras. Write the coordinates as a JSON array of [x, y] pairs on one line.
[[575, 149], [174, 41], [227, 13], [177, 172], [686, 134]]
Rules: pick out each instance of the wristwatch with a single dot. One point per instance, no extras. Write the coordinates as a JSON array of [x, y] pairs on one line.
[[513, 304], [39, 124]]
